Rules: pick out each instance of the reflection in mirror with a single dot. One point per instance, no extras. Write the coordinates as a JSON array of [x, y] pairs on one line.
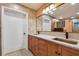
[[75, 25], [58, 25], [44, 23], [64, 18], [47, 23]]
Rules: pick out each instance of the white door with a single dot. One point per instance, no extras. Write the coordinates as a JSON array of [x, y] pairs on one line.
[[12, 34]]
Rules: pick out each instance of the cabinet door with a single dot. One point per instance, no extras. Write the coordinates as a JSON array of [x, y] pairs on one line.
[[69, 52], [35, 45], [53, 49], [29, 42], [35, 48], [42, 47]]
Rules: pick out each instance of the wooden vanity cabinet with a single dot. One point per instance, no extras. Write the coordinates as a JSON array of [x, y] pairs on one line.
[[59, 50], [43, 47]]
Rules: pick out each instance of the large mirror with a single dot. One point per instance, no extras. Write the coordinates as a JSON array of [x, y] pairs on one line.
[[64, 18]]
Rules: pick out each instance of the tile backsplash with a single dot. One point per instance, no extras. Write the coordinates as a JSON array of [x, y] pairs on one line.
[[62, 34]]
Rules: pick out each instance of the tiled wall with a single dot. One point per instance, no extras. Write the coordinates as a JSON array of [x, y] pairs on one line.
[[62, 34]]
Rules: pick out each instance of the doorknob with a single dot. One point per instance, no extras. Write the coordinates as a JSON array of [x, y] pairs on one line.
[[24, 33]]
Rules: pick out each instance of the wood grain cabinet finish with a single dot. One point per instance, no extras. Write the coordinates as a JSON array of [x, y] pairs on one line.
[[43, 47], [69, 52], [35, 45], [53, 49]]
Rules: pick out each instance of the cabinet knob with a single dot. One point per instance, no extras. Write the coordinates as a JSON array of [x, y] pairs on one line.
[[59, 54], [56, 52]]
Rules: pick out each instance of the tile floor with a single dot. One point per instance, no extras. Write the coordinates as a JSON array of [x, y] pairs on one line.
[[21, 52]]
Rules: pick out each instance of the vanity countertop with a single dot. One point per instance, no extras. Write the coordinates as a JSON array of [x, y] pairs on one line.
[[51, 38]]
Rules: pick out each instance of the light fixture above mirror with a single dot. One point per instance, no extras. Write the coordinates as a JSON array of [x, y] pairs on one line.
[[49, 10], [52, 6]]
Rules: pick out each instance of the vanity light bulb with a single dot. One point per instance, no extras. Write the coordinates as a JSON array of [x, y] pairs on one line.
[[52, 6], [77, 13], [43, 12], [61, 18], [54, 9], [72, 17], [16, 6], [47, 9], [51, 12]]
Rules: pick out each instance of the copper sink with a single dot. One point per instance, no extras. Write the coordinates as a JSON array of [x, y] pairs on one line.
[[66, 41]]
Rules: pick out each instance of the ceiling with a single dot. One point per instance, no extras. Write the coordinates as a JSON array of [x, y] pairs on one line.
[[34, 6], [67, 10]]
